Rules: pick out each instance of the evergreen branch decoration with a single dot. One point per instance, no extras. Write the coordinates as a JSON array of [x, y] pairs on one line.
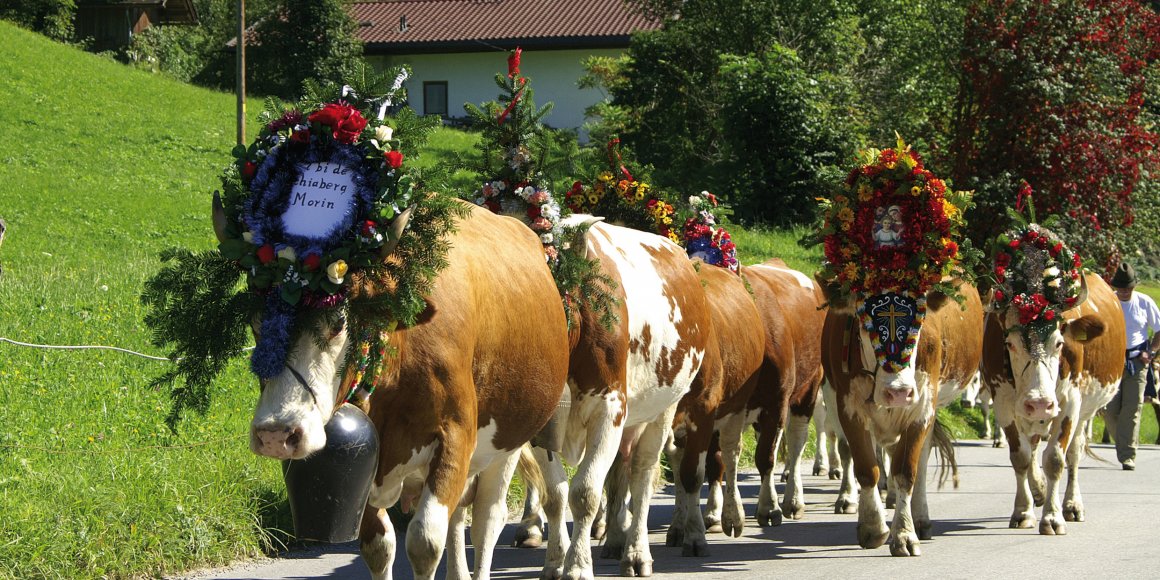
[[199, 312]]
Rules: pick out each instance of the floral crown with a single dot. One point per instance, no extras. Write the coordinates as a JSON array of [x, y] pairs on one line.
[[892, 228], [704, 239], [1036, 273]]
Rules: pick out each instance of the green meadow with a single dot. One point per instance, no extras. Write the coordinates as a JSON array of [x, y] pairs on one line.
[[101, 168]]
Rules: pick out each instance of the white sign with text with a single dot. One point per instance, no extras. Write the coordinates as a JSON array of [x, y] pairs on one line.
[[320, 199]]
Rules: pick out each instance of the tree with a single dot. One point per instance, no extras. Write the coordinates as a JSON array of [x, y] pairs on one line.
[[302, 39], [52, 18], [1051, 102]]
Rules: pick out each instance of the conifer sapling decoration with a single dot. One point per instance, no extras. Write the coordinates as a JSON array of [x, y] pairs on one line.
[[309, 214], [513, 148]]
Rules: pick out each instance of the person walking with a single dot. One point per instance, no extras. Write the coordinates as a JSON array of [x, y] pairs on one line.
[[1141, 317]]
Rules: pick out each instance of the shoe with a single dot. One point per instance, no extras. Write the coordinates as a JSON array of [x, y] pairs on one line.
[[1129, 465]]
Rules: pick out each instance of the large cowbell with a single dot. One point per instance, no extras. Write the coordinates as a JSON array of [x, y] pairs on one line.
[[329, 489], [893, 321]]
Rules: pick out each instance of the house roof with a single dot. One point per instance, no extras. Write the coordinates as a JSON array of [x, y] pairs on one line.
[[394, 26]]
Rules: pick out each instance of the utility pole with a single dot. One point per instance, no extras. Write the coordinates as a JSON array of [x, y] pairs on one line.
[[241, 80]]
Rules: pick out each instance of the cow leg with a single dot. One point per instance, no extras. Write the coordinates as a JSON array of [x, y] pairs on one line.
[[768, 442], [677, 528], [457, 567], [872, 530], [838, 465], [714, 476], [792, 505], [848, 499], [377, 541], [600, 522], [1023, 515], [489, 510], [905, 465], [600, 453], [733, 516], [886, 484], [530, 530], [637, 558], [920, 507], [1072, 498], [1035, 474], [821, 441], [1052, 523], [427, 533], [554, 496]]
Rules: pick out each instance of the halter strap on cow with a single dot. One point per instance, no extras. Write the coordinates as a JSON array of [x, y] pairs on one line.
[[302, 381]]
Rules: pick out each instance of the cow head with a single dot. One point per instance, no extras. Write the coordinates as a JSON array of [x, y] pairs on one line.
[[300, 391], [1035, 352]]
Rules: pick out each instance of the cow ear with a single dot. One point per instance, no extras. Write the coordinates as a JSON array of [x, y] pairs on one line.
[[936, 300], [1084, 328], [838, 302]]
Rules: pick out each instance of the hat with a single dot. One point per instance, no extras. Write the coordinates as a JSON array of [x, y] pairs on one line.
[[1125, 276]]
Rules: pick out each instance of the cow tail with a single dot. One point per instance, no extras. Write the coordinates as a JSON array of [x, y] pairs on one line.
[[1088, 450], [529, 470], [943, 442]]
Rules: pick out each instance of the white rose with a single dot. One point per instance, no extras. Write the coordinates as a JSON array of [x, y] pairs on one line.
[[287, 253], [383, 133], [248, 237], [1051, 272], [546, 238], [1054, 283]]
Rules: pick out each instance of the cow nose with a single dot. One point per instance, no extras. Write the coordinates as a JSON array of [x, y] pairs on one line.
[[1039, 409], [277, 443], [895, 397]]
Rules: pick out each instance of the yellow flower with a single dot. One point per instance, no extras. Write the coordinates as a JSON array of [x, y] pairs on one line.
[[605, 176], [336, 271], [593, 199], [889, 165], [951, 210], [851, 270], [673, 237], [865, 193], [846, 215], [915, 191], [841, 200], [667, 220]]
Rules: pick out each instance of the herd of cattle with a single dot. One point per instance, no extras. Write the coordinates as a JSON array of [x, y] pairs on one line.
[[697, 354]]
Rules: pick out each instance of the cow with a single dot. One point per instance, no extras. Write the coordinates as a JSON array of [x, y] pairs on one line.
[[976, 393], [472, 381], [827, 459], [895, 407], [716, 410], [624, 382], [788, 386], [1046, 389]]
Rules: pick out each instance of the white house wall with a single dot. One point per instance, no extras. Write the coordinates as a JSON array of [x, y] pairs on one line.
[[470, 78]]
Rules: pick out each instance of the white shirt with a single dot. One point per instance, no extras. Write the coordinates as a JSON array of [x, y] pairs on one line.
[[1140, 316]]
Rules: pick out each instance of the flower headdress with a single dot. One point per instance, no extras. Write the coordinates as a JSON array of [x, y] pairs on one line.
[[1038, 275], [307, 214], [704, 239]]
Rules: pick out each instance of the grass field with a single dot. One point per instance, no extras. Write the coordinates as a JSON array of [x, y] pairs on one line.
[[102, 168]]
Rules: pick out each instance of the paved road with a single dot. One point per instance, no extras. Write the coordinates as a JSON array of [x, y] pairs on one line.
[[971, 537]]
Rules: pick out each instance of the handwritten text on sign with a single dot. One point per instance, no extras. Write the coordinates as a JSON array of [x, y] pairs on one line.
[[320, 199]]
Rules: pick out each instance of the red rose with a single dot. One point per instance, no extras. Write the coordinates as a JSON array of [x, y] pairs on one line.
[[1049, 315], [998, 295], [344, 120], [311, 262], [266, 254], [368, 228], [1014, 244], [492, 204], [248, 170], [394, 159], [533, 211], [300, 136]]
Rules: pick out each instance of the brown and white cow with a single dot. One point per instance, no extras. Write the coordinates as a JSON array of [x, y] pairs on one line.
[[896, 410], [786, 391], [473, 381], [1047, 391], [625, 383], [717, 404]]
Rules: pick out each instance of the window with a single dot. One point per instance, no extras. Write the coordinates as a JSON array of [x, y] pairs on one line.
[[435, 98]]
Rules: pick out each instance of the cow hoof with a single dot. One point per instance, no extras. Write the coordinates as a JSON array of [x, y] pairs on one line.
[[714, 528], [1022, 521], [527, 538], [872, 536], [636, 566], [553, 574], [835, 473], [998, 443], [1073, 513], [733, 523], [794, 511], [1051, 526], [696, 548], [675, 537], [784, 476], [578, 573], [611, 551], [845, 506], [769, 518], [819, 469], [923, 530], [905, 544]]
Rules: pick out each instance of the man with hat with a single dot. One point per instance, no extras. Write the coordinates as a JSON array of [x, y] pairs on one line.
[[1141, 316]]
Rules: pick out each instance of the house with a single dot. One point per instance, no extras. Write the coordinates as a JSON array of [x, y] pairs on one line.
[[111, 24], [455, 48]]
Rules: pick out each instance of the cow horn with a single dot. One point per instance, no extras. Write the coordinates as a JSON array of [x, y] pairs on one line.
[[219, 217], [395, 233], [1083, 291]]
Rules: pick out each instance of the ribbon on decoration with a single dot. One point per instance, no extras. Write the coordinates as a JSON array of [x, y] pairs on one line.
[[614, 149], [395, 86], [515, 99]]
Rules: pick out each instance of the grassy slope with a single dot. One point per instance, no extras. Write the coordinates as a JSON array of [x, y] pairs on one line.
[[102, 167]]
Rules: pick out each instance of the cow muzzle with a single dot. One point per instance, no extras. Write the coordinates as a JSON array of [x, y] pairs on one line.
[[896, 396], [278, 442], [1039, 408]]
